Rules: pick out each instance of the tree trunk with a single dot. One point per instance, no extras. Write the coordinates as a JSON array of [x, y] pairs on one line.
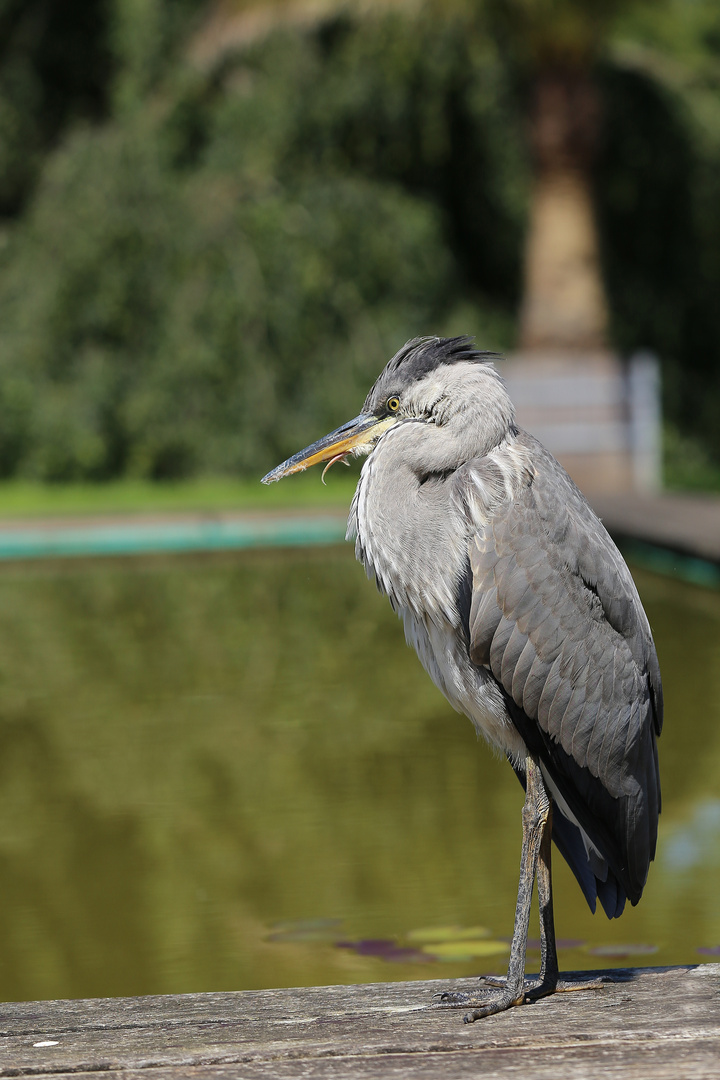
[[564, 302]]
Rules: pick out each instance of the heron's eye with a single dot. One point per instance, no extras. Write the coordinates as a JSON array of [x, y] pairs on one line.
[[393, 404]]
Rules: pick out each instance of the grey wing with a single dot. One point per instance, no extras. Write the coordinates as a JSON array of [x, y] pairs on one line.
[[556, 618]]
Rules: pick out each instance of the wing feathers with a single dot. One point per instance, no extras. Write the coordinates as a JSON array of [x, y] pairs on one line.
[[522, 671], [556, 618]]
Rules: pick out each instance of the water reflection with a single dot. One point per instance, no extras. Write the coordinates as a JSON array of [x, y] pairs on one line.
[[200, 757]]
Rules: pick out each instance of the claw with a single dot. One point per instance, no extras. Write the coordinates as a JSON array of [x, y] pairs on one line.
[[450, 997]]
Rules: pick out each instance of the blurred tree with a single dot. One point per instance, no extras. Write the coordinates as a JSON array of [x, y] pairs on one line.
[[659, 214], [432, 112], [146, 37], [55, 67], [161, 325], [555, 45], [216, 267]]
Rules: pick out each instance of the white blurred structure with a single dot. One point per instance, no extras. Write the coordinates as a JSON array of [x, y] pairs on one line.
[[599, 417]]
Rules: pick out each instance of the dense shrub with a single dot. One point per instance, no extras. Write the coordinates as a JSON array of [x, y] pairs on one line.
[[160, 327], [658, 198], [56, 66], [215, 273], [201, 285]]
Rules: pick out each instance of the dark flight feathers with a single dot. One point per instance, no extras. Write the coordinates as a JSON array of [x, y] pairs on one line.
[[556, 618]]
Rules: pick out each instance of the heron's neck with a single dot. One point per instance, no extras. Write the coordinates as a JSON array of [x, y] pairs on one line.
[[404, 521], [412, 513]]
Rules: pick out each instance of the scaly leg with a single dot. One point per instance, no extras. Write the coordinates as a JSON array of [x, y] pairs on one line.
[[548, 949], [537, 829], [549, 981]]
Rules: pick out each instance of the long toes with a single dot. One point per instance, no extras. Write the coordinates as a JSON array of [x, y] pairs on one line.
[[450, 997], [483, 1003], [496, 982], [567, 986], [497, 998], [489, 1008]]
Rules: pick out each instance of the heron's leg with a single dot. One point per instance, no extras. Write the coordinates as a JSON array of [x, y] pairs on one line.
[[548, 950], [549, 968], [549, 981], [535, 818]]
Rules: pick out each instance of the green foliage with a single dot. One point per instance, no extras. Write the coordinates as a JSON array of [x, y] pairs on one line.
[[554, 32], [648, 203], [215, 273], [218, 289], [688, 465], [432, 110], [658, 194], [55, 66], [174, 323]]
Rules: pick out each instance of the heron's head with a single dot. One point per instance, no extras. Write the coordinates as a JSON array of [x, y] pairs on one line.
[[445, 383]]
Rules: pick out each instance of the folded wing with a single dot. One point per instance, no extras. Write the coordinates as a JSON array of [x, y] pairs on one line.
[[556, 618]]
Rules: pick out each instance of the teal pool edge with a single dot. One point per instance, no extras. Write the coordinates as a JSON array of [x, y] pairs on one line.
[[198, 536], [168, 537], [669, 562]]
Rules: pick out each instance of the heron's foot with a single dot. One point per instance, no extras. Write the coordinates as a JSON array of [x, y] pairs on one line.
[[569, 986], [500, 997], [497, 982], [480, 1005], [550, 984]]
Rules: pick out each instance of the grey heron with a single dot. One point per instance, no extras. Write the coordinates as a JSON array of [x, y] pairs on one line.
[[524, 614]]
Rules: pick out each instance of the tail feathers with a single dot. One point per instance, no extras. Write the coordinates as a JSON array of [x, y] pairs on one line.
[[592, 872], [569, 842]]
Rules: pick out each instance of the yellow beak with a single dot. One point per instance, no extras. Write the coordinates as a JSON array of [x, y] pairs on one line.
[[358, 437]]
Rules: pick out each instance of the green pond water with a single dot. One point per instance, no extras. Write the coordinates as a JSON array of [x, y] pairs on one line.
[[230, 772]]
